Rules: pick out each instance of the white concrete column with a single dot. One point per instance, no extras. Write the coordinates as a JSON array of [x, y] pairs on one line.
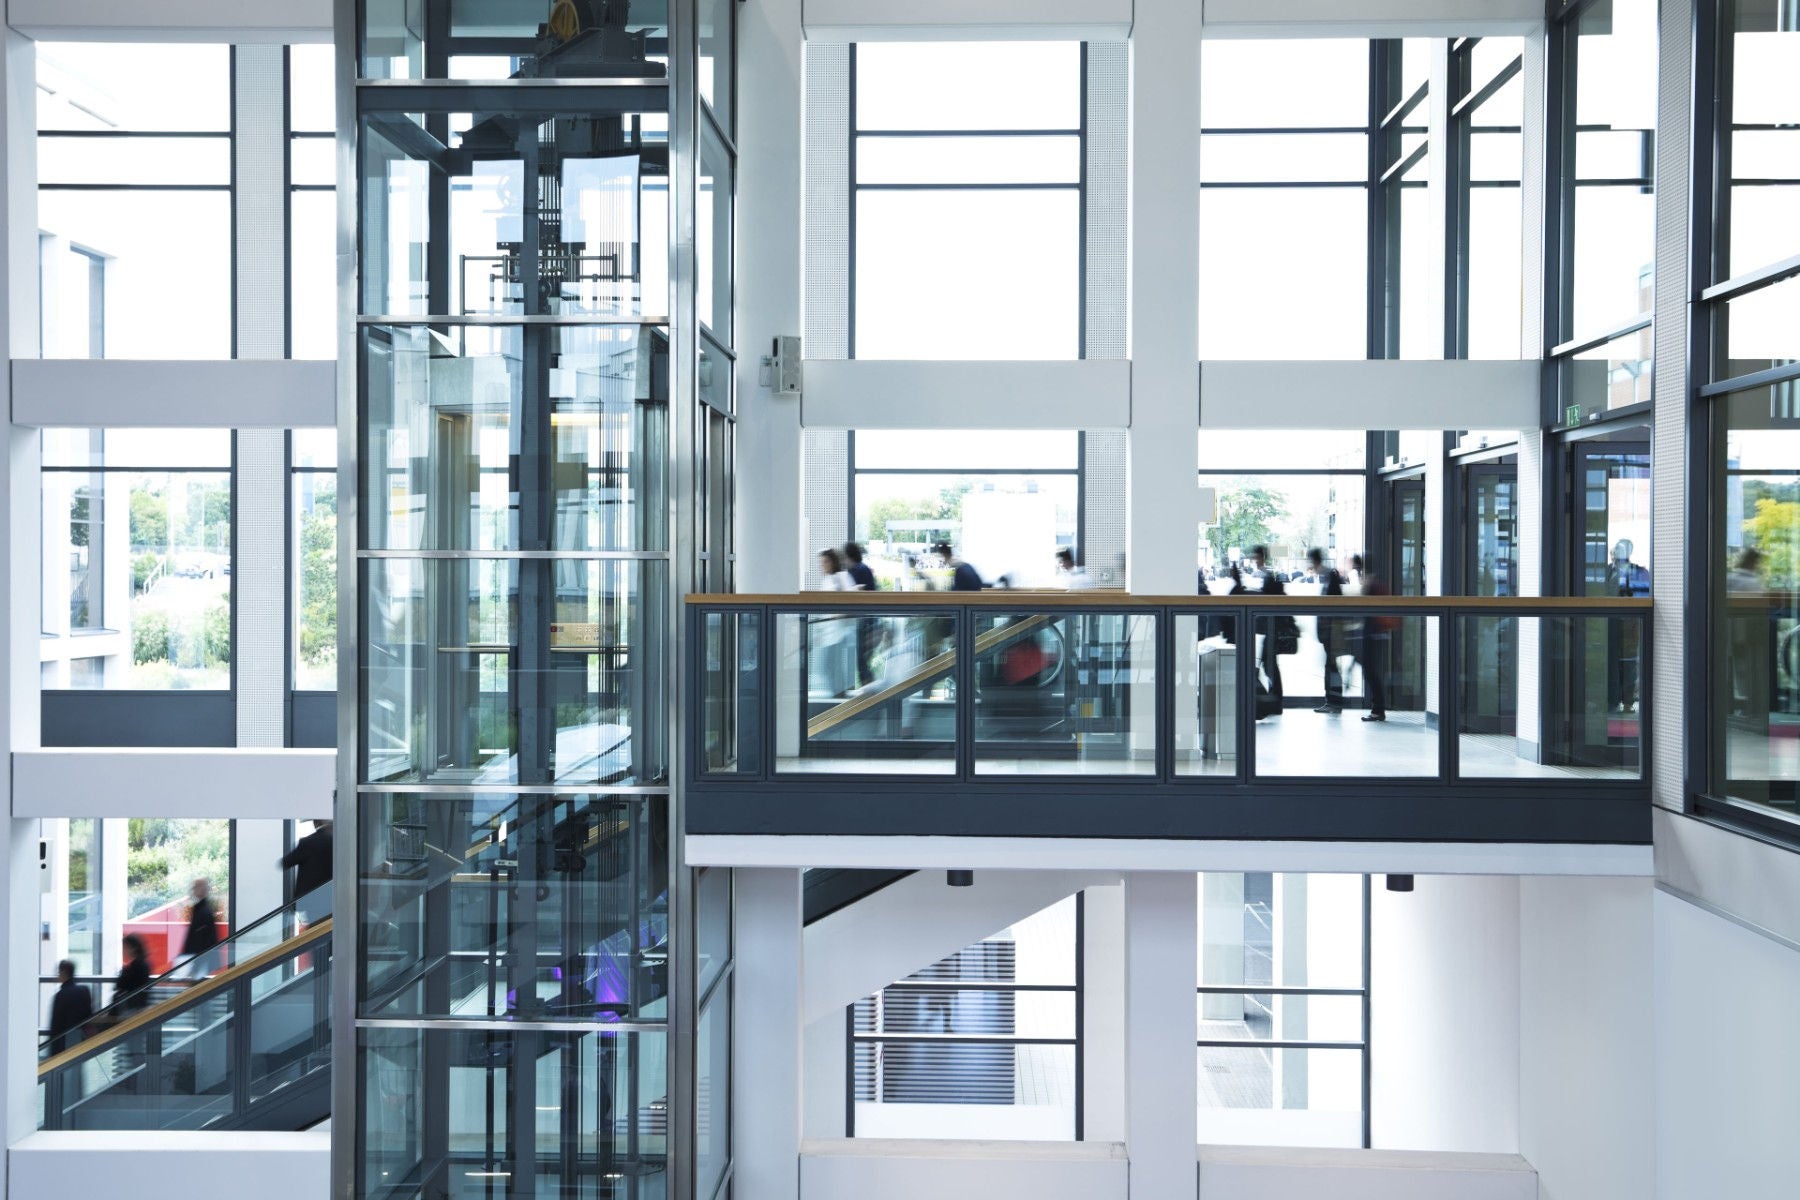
[[1103, 1014], [769, 206], [766, 1035], [1161, 1063], [1222, 925], [20, 631], [822, 1104], [1163, 494], [115, 900]]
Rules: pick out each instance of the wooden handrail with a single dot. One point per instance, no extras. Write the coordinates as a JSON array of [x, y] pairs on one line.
[[187, 999], [1109, 602], [929, 669]]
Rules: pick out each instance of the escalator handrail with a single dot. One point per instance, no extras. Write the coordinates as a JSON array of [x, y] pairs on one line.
[[107, 1038], [931, 668], [167, 978]]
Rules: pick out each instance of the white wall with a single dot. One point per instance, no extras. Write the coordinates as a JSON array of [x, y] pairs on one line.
[[1585, 1076], [1727, 1057], [907, 1170], [171, 1165], [1445, 993], [1247, 1173]]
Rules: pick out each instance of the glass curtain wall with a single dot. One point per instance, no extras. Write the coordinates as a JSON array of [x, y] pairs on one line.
[[1405, 322], [312, 203], [1285, 178], [1602, 133], [527, 371], [1487, 148], [966, 161], [1749, 399]]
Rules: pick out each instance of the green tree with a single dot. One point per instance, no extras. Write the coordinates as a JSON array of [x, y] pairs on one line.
[[149, 636], [318, 582], [898, 508], [1246, 518], [164, 857], [1774, 529], [149, 519]]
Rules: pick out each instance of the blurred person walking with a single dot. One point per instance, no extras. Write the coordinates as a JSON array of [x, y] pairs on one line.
[[71, 1008], [1330, 631], [202, 932], [1374, 643], [310, 860], [868, 629]]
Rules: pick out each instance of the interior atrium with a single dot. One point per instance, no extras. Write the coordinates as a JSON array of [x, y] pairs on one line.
[[1072, 599]]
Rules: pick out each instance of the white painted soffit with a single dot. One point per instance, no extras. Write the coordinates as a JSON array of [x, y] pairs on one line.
[[967, 20], [1369, 18], [240, 393], [240, 21]]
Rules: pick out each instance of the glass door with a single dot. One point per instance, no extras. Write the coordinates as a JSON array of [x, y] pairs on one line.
[[1490, 565], [1406, 551]]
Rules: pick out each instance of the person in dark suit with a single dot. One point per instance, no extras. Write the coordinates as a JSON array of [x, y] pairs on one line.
[[311, 860], [1331, 632], [868, 629], [70, 1009], [202, 932], [1270, 706], [131, 986], [963, 577]]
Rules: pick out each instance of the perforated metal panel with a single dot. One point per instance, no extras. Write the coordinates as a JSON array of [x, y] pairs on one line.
[[1668, 560], [1103, 506], [826, 187], [1108, 165], [825, 498]]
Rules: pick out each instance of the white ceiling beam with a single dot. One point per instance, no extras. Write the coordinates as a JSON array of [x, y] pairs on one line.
[[1381, 394], [1370, 18], [967, 20], [172, 20], [96, 393]]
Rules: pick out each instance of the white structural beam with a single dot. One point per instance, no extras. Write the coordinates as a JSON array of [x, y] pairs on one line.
[[1268, 1173], [968, 20], [871, 394], [1371, 18], [1163, 457], [1376, 394], [172, 20], [768, 282], [191, 784], [1137, 854], [1749, 881], [916, 921], [1162, 963], [883, 1169], [99, 393], [766, 1047], [168, 1164]]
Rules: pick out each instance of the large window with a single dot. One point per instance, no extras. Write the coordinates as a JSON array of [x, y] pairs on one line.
[[1284, 1001], [138, 528], [1408, 318], [1289, 490], [1751, 321], [312, 204], [1603, 93], [966, 200], [1007, 500], [1284, 201], [313, 567], [1488, 153], [135, 200]]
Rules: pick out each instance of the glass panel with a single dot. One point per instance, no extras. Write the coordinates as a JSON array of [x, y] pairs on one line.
[[464, 430], [1249, 449], [1254, 243], [1007, 527], [134, 86], [1265, 1017], [1758, 330], [290, 1024], [718, 60], [1490, 56], [1582, 720], [1259, 1096], [731, 720], [865, 693], [1411, 218], [974, 85], [312, 275], [940, 450], [1756, 678], [1259, 158], [712, 905], [608, 41], [315, 579], [1249, 83], [1609, 376], [1496, 269], [968, 160], [1613, 490], [130, 161], [1009, 1092], [312, 88], [1613, 206], [164, 274], [712, 1092], [1288, 514], [1381, 663], [547, 214], [1763, 144], [1070, 693], [713, 249], [444, 1102], [1206, 700], [1262, 930], [514, 907], [484, 671], [312, 162], [1003, 280]]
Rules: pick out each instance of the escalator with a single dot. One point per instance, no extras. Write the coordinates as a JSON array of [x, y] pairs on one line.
[[245, 1048]]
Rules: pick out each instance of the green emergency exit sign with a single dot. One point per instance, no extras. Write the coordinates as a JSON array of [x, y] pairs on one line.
[[1572, 415]]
